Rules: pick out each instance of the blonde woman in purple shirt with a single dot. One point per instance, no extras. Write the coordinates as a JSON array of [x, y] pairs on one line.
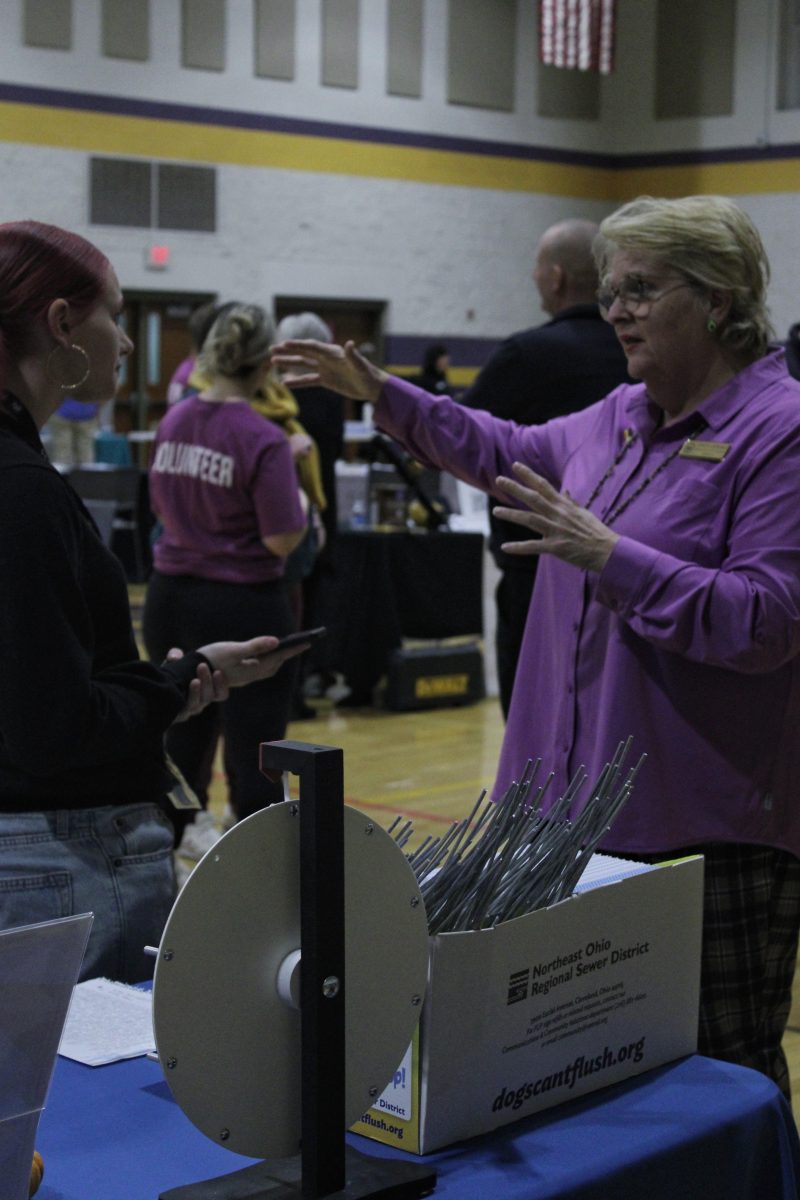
[[667, 602], [224, 486]]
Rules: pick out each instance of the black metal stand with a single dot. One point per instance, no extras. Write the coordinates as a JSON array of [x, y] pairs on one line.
[[436, 515], [326, 1165]]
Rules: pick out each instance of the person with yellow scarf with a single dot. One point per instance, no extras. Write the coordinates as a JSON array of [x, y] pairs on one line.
[[277, 403]]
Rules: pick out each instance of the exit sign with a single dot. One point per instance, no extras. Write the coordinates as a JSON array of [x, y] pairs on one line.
[[157, 258]]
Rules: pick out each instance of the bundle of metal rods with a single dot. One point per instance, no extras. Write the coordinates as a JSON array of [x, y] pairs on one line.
[[510, 858]]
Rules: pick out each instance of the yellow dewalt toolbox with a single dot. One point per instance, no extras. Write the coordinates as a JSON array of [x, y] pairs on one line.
[[435, 676]]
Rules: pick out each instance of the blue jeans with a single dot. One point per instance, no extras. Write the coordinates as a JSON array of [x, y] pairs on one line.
[[114, 861]]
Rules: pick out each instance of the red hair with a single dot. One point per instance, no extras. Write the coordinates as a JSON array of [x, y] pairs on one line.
[[39, 264]]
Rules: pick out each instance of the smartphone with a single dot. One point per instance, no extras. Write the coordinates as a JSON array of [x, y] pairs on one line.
[[303, 635]]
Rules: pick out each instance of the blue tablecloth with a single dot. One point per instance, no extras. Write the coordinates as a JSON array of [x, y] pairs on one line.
[[694, 1130]]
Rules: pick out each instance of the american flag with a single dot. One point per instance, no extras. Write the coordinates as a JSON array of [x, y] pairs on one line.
[[577, 33]]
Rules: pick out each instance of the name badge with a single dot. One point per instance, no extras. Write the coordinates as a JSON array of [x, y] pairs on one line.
[[709, 451]]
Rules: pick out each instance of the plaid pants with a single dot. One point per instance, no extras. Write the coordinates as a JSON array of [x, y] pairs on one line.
[[750, 930]]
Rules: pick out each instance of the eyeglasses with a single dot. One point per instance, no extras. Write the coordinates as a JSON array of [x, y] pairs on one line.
[[636, 295]]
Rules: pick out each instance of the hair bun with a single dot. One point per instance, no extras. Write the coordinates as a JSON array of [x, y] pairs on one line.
[[238, 341]]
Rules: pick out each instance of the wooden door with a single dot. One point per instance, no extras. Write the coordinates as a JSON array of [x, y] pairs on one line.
[[157, 323], [360, 321]]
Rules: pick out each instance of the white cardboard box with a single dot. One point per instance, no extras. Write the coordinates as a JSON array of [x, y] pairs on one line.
[[548, 1007]]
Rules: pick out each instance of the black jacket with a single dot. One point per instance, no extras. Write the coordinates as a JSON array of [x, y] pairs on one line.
[[82, 718]]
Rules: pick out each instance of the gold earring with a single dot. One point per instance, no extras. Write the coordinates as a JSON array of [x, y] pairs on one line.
[[67, 387]]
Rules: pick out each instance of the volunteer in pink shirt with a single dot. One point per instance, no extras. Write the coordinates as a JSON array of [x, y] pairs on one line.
[[224, 486]]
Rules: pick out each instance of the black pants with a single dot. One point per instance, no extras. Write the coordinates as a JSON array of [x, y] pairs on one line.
[[187, 612], [513, 598]]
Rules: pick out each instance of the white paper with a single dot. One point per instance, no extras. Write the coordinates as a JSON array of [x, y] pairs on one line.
[[604, 868], [107, 1022]]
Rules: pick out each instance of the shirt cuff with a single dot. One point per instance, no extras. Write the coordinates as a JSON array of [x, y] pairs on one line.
[[183, 670], [625, 575], [393, 403]]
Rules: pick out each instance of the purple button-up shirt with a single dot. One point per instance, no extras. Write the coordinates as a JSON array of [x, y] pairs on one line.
[[688, 639]]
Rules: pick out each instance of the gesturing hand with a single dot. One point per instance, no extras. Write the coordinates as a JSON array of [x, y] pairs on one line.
[[567, 530], [340, 368]]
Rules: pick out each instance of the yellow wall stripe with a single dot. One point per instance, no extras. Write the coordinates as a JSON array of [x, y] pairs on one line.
[[152, 138], [725, 178], [459, 377], [115, 134]]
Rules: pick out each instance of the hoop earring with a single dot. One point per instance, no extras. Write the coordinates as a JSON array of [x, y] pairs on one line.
[[67, 387], [712, 325]]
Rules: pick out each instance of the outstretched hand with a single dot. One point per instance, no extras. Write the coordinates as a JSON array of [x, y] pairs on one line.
[[324, 364], [566, 530]]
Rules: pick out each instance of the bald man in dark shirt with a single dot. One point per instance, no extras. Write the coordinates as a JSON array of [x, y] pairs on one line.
[[556, 368]]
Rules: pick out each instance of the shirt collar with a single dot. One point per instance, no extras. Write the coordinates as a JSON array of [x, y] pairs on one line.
[[727, 401], [576, 310], [15, 418], [722, 405]]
